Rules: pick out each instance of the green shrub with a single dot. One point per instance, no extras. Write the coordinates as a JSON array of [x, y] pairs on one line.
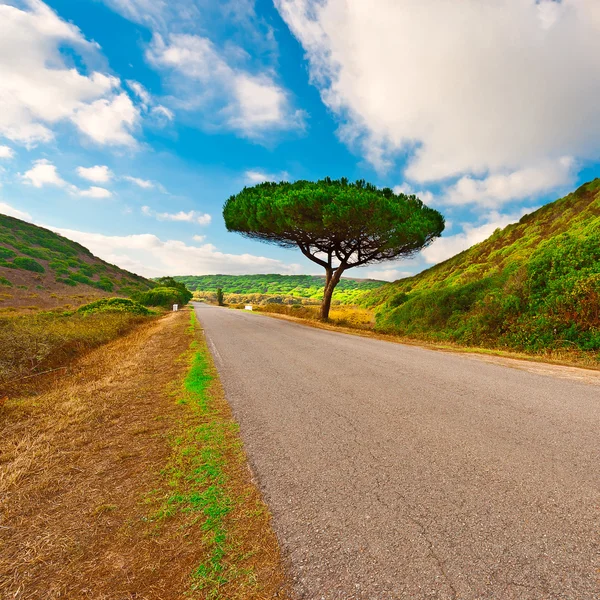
[[170, 282], [163, 297], [29, 264], [7, 253], [86, 270], [79, 278], [104, 284], [4, 281], [106, 305]]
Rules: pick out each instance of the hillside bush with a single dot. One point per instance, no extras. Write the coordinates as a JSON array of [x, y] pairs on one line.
[[111, 305], [163, 297], [29, 264]]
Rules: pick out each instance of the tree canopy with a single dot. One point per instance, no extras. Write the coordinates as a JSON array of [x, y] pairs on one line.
[[334, 223]]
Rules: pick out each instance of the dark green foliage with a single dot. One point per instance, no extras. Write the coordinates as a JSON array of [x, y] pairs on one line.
[[6, 282], [104, 284], [79, 278], [7, 253], [281, 286], [163, 297], [29, 264], [170, 282], [358, 220], [533, 286], [220, 296], [115, 305], [336, 224]]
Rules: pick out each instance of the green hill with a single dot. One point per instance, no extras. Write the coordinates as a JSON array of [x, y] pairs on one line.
[[532, 286], [309, 287], [41, 269]]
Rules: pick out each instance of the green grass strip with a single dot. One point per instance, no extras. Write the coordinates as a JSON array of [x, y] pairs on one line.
[[196, 472]]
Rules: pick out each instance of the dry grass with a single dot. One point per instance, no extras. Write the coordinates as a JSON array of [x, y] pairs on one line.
[[40, 342], [78, 463], [341, 315]]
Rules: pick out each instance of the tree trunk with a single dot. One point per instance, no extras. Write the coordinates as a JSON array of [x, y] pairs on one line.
[[332, 278]]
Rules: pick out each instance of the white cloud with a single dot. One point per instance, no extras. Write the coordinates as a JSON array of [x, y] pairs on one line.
[[254, 176], [200, 16], [95, 192], [97, 174], [496, 190], [446, 247], [141, 11], [7, 209], [388, 274], [6, 152], [40, 88], [483, 88], [148, 255], [161, 115], [143, 183], [140, 91], [109, 121], [43, 173], [227, 96], [191, 216], [199, 238]]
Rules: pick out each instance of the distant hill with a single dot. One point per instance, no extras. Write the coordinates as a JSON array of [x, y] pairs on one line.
[[534, 285], [41, 269], [283, 286]]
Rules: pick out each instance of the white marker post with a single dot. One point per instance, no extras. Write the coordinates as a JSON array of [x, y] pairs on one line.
[[175, 307], [248, 307]]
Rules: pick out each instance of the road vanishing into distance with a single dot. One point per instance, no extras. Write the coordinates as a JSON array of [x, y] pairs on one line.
[[395, 471]]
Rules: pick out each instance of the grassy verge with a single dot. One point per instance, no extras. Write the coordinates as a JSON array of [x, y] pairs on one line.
[[209, 487], [33, 344]]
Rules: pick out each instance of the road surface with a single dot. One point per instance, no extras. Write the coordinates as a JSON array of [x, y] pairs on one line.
[[396, 472]]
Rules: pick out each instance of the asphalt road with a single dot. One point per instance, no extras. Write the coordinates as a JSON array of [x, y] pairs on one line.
[[395, 471]]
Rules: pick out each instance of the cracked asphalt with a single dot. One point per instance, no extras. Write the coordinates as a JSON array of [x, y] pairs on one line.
[[395, 471]]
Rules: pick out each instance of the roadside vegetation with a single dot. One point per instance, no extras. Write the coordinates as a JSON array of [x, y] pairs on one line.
[[167, 293], [532, 287], [38, 343], [46, 342]]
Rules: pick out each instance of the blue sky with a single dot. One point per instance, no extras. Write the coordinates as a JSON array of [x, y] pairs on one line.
[[126, 124]]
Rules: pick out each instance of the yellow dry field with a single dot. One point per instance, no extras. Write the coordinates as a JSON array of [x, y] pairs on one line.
[[82, 471]]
